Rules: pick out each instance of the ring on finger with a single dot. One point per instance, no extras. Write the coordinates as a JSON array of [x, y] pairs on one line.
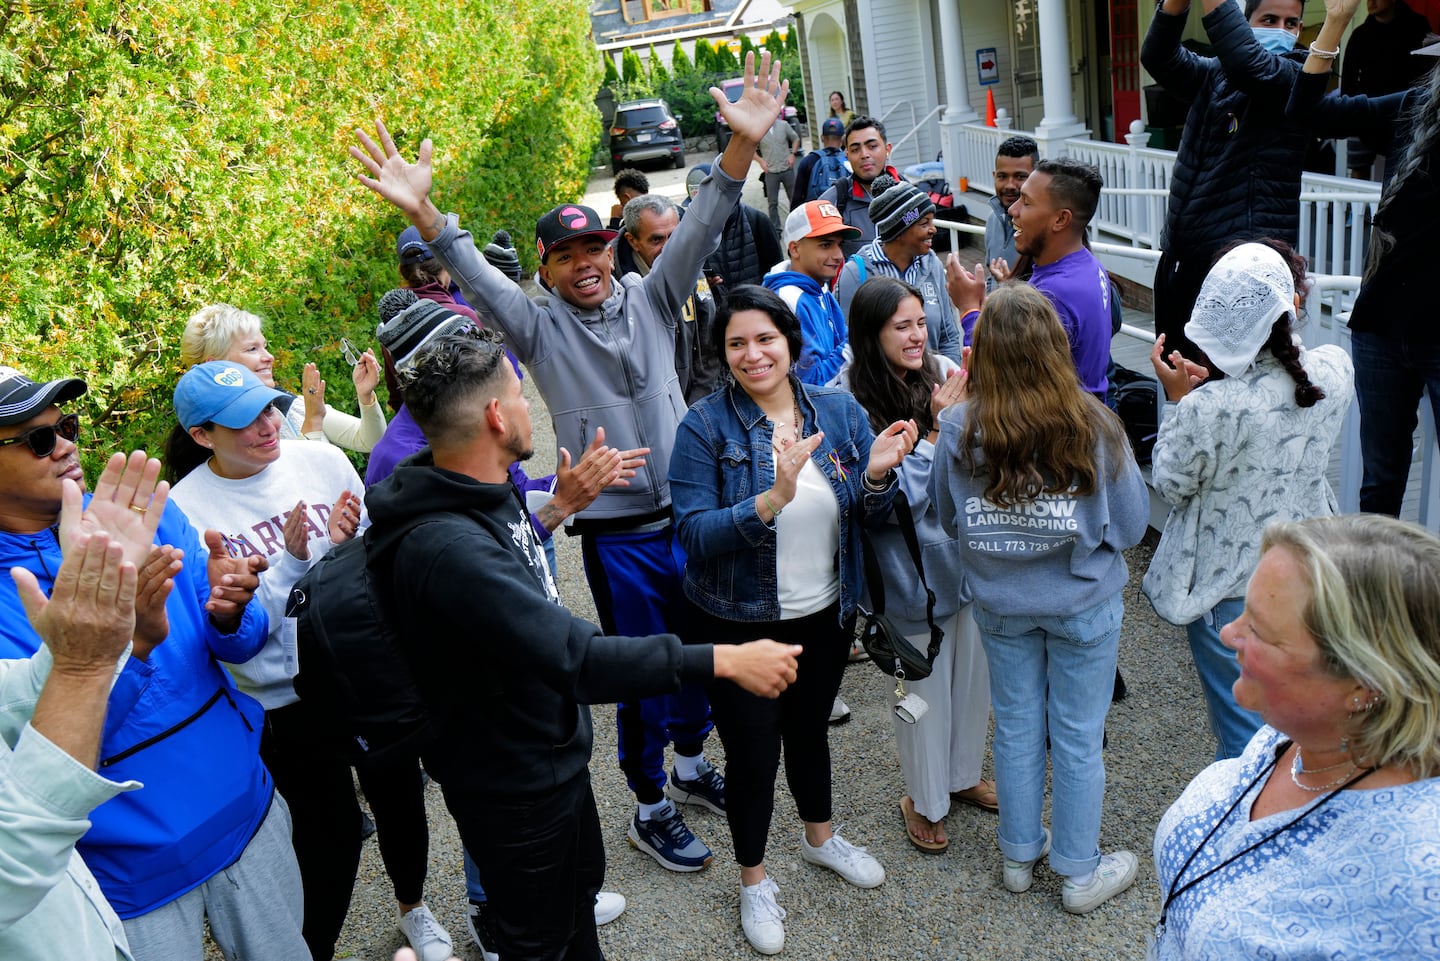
[[137, 509]]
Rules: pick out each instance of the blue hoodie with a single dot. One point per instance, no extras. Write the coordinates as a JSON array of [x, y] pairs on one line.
[[822, 324], [205, 790]]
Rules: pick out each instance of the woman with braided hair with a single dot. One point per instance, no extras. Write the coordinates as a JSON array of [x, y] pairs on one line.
[[1244, 441]]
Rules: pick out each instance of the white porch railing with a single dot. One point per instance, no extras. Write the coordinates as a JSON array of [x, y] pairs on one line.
[[1327, 309], [1335, 212]]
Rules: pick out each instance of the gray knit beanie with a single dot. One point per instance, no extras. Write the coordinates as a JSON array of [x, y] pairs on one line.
[[500, 252], [393, 302], [896, 206], [415, 326]]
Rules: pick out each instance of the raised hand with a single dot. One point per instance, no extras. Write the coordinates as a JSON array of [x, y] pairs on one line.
[[966, 289], [952, 391], [1000, 270], [598, 468], [752, 115], [762, 667], [890, 448], [314, 396], [404, 184], [90, 614], [154, 581], [296, 532], [344, 518], [1177, 375], [233, 581], [788, 464], [128, 502], [366, 376]]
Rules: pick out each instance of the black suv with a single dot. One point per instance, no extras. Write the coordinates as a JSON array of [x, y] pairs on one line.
[[645, 130]]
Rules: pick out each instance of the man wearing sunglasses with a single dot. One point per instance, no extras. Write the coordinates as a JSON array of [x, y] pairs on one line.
[[206, 835]]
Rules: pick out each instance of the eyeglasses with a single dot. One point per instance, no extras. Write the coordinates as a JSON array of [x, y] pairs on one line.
[[41, 440]]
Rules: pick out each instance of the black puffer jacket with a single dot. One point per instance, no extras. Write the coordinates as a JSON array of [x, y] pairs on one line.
[[748, 250], [1396, 299], [1237, 172]]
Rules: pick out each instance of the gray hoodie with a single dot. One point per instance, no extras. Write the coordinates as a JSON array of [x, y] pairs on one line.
[[613, 367], [1059, 554]]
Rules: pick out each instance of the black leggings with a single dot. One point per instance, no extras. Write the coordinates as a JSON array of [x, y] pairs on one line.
[[753, 728], [317, 785]]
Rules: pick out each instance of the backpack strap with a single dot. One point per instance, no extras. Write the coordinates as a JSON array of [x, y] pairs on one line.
[[860, 267]]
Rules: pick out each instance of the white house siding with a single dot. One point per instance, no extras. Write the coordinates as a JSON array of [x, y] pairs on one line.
[[900, 66]]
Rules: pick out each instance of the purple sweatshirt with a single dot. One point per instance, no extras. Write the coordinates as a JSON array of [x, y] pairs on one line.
[[1080, 290]]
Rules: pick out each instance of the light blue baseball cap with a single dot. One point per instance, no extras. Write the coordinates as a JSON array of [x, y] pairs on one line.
[[224, 393]]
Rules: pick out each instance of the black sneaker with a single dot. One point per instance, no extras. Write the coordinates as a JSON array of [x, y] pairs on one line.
[[707, 790], [482, 929], [666, 839]]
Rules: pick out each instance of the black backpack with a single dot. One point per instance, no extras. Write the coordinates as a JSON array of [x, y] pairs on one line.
[[353, 669], [1136, 399]]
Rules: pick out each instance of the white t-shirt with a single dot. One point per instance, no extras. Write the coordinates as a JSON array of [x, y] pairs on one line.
[[251, 513], [807, 539]]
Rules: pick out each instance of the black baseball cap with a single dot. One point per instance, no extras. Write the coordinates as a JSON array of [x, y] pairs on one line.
[[565, 222], [22, 398]]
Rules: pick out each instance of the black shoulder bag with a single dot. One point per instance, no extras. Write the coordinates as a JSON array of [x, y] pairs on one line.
[[884, 642]]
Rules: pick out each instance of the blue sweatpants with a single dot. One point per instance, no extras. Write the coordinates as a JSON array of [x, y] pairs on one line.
[[636, 581]]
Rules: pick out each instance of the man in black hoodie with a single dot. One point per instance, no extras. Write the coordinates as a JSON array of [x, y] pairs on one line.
[[506, 670]]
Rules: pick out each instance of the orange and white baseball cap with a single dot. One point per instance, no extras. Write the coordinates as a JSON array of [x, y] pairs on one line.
[[817, 218]]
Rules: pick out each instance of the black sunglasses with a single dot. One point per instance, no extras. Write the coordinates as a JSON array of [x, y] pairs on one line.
[[41, 440]]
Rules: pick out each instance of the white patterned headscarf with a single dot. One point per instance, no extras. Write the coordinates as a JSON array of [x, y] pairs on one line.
[[1246, 291]]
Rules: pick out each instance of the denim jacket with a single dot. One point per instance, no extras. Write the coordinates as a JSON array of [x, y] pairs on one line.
[[722, 460]]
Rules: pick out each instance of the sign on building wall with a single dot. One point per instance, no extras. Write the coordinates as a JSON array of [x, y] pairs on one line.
[[988, 64]]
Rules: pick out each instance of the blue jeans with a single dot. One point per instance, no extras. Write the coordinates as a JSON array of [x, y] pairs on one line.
[[1052, 673], [1389, 376], [1232, 725]]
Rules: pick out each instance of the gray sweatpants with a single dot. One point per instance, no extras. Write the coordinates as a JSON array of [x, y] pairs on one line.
[[255, 906]]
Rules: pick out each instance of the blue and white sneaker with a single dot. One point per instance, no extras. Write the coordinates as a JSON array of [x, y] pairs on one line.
[[666, 839], [707, 790]]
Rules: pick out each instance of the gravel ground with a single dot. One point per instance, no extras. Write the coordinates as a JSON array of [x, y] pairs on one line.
[[930, 907]]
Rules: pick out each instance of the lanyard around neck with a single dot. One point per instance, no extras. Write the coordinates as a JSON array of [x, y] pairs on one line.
[[1176, 890]]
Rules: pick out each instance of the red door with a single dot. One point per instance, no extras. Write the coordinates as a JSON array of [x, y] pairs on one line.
[[1124, 64]]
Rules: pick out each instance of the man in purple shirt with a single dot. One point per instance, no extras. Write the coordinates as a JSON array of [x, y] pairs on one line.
[[1056, 204]]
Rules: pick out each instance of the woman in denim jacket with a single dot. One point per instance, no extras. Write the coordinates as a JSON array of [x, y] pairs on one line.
[[770, 480]]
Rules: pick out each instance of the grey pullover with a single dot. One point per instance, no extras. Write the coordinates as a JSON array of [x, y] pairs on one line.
[[1059, 554], [613, 367]]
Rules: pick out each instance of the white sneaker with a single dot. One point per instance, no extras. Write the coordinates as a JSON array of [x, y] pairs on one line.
[[1114, 874], [839, 711], [761, 917], [608, 906], [1019, 875], [846, 860], [430, 941]]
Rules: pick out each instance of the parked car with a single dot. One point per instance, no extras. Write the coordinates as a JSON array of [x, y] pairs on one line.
[[733, 90], [646, 130]]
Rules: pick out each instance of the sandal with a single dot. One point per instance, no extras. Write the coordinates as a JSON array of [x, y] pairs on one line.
[[913, 820], [982, 796]]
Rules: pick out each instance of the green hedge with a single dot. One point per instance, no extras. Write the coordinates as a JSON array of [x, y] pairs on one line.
[[155, 158]]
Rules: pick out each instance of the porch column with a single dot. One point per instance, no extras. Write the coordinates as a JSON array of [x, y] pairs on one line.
[[957, 94], [1059, 120]]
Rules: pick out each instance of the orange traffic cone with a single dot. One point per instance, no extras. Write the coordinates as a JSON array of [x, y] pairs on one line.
[[989, 108]]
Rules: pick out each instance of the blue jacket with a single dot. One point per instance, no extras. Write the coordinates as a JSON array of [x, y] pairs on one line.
[[176, 723], [722, 460], [822, 324]]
